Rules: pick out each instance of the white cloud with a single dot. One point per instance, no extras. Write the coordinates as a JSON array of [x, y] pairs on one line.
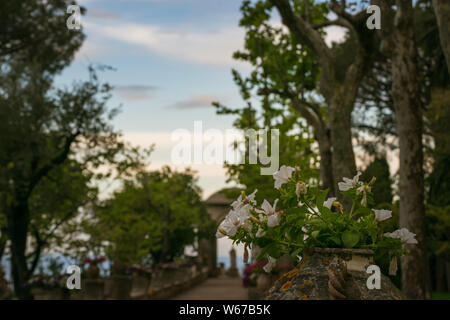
[[90, 50], [198, 101], [135, 92], [204, 47]]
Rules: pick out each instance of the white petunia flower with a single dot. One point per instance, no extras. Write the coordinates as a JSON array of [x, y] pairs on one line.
[[404, 235], [381, 215], [269, 211], [305, 230], [271, 262], [232, 222], [348, 184], [282, 176], [329, 202], [244, 202]]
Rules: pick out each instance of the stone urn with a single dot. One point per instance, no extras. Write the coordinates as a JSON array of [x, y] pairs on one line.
[[263, 282], [332, 273]]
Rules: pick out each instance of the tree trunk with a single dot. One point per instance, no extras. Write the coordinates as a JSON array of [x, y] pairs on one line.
[[442, 12], [326, 163], [407, 103], [18, 221], [344, 165]]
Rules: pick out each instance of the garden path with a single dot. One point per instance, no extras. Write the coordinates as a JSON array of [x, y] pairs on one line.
[[220, 288]]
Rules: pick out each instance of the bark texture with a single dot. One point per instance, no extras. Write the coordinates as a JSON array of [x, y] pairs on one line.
[[18, 221], [442, 12], [399, 44]]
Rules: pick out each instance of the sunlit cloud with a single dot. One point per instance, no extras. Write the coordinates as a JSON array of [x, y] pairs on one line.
[[198, 46], [135, 92], [194, 102]]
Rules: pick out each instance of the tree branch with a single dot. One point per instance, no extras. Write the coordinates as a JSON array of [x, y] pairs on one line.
[[309, 36], [37, 176]]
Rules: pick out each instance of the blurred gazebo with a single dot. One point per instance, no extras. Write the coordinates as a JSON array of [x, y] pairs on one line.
[[218, 205]]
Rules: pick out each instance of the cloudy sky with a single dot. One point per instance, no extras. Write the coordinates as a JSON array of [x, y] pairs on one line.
[[172, 58]]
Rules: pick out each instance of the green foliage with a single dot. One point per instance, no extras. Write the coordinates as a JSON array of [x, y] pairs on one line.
[[35, 31], [152, 218], [438, 230], [437, 119], [382, 190], [280, 65], [305, 220]]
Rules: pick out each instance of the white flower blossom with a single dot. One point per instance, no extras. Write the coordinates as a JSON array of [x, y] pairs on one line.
[[406, 236], [269, 211], [305, 230], [244, 202], [381, 215], [329, 202], [282, 176], [348, 184], [271, 262], [232, 222]]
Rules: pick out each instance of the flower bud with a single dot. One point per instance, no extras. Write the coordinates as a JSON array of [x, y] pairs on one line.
[[300, 188], [245, 254]]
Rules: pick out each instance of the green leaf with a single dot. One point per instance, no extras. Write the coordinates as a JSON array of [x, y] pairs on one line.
[[336, 240], [321, 195], [350, 239]]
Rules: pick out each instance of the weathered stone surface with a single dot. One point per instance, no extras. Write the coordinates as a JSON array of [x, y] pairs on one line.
[[332, 274]]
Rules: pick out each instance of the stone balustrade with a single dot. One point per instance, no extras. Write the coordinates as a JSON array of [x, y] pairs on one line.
[[163, 284]]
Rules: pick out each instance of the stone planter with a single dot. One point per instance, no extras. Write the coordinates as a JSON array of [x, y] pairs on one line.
[[263, 282], [50, 294], [330, 273], [120, 287]]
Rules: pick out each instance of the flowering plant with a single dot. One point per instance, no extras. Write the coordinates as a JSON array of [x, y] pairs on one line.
[[140, 270], [303, 218], [94, 260]]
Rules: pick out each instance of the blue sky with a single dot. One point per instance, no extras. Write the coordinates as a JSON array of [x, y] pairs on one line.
[[172, 59]]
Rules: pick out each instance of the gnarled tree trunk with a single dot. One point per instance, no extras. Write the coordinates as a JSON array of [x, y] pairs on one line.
[[399, 44]]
